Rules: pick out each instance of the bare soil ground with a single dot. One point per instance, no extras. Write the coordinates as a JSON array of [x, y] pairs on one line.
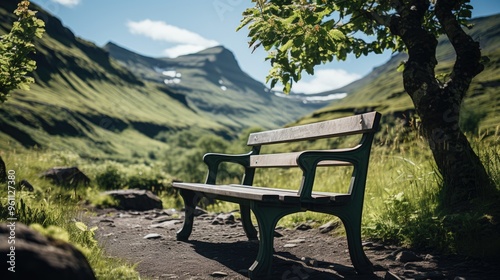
[[219, 249]]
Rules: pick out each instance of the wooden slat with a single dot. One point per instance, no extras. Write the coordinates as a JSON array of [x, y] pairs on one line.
[[320, 197], [227, 190], [259, 193], [338, 127], [287, 160], [241, 191]]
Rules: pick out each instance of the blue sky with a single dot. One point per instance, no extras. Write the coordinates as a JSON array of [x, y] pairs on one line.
[[160, 28]]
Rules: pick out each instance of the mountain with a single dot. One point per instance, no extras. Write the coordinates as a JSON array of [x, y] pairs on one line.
[[86, 101], [214, 84], [382, 89]]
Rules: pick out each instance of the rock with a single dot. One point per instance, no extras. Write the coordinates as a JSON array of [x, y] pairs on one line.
[[38, 257], [429, 257], [222, 219], [162, 219], [290, 245], [407, 256], [303, 227], [328, 226], [310, 261], [299, 240], [391, 276], [134, 199], [66, 176], [152, 236], [166, 224], [277, 234], [24, 184], [218, 274]]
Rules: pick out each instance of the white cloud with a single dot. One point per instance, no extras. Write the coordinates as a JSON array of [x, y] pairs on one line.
[[67, 3], [186, 41], [324, 80]]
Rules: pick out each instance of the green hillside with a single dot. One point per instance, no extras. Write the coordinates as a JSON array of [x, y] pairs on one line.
[[215, 85], [383, 90], [89, 103]]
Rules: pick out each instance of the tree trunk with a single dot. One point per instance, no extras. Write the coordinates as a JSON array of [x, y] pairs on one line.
[[438, 105], [464, 176]]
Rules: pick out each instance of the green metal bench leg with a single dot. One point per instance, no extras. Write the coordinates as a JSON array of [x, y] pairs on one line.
[[191, 199], [267, 218], [246, 220], [361, 263]]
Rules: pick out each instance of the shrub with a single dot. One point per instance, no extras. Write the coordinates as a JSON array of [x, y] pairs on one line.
[[110, 178]]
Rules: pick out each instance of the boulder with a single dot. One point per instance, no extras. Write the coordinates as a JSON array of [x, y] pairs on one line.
[[66, 176], [134, 199], [31, 255]]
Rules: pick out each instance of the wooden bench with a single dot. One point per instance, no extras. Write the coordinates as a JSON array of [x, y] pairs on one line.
[[270, 204]]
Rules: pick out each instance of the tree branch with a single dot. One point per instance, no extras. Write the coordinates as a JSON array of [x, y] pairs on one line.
[[468, 62], [419, 75]]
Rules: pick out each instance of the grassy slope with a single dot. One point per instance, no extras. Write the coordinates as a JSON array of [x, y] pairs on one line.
[[213, 83], [87, 102], [84, 102]]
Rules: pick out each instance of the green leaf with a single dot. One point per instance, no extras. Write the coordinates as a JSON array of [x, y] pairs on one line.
[[286, 46], [81, 226], [337, 34], [401, 67]]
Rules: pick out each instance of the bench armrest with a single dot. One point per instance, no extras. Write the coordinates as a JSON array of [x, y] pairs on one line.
[[309, 160], [212, 160]]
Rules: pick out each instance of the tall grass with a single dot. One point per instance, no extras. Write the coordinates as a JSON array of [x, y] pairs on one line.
[[400, 207], [402, 196], [56, 212]]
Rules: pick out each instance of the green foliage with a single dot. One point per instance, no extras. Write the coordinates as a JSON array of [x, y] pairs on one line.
[[49, 210], [15, 48], [111, 178], [186, 161], [299, 35], [402, 195]]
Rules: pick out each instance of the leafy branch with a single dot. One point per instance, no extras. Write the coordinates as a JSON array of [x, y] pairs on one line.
[[15, 48]]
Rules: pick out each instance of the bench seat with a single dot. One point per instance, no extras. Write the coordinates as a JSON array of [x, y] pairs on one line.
[[240, 193], [271, 204]]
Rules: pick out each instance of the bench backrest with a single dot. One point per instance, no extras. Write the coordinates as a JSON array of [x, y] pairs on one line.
[[339, 127], [359, 124]]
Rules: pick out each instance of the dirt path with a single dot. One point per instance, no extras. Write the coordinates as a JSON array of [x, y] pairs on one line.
[[219, 249]]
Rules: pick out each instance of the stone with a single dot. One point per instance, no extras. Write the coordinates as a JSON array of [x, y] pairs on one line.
[[218, 274], [223, 218], [134, 199], [152, 236], [331, 225], [24, 184], [66, 176], [391, 276], [166, 224], [407, 256], [303, 227], [35, 256], [299, 240]]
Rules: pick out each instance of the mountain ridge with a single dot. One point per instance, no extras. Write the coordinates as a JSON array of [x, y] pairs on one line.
[[86, 101]]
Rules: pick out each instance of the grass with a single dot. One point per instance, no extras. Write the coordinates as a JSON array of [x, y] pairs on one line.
[[54, 211], [401, 199]]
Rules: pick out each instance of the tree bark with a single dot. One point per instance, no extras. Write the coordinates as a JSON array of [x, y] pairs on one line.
[[438, 105]]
